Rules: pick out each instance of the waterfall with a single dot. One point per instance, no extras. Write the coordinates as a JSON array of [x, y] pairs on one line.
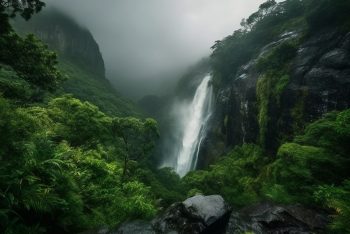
[[194, 127]]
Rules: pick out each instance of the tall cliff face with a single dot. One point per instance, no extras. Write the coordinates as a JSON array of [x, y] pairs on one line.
[[318, 82], [80, 60], [70, 40], [286, 66]]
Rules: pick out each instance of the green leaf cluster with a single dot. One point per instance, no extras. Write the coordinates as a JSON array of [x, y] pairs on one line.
[[31, 60], [313, 170], [61, 168], [235, 176], [66, 166], [261, 28], [274, 78]]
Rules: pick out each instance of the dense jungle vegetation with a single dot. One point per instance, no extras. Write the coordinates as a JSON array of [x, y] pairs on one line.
[[66, 166]]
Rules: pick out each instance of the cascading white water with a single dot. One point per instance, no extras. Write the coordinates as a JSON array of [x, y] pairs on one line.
[[195, 127]]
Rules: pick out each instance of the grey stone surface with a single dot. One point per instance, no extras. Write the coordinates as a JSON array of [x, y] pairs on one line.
[[208, 208], [211, 215], [275, 219], [319, 82], [198, 214]]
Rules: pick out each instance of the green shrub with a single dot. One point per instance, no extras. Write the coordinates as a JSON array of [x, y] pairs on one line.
[[234, 177], [31, 59], [338, 199]]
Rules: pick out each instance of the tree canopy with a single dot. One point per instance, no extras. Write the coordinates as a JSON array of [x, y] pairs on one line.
[[25, 8]]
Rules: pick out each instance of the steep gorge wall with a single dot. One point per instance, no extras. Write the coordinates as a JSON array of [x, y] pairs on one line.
[[80, 60], [318, 82], [69, 39]]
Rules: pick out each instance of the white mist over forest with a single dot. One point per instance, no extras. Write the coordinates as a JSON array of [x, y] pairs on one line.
[[147, 45]]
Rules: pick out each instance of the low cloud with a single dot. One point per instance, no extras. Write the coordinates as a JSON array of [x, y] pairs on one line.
[[147, 44]]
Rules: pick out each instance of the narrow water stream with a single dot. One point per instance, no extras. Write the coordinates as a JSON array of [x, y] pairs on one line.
[[195, 127]]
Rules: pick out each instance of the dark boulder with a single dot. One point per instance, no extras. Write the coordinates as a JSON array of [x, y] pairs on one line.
[[275, 219], [212, 215], [198, 214]]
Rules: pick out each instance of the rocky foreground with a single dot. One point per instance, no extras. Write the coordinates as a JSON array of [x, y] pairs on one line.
[[211, 214]]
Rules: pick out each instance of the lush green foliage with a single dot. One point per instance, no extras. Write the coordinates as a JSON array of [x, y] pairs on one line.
[[95, 89], [270, 21], [28, 68], [274, 69], [234, 176], [62, 162], [258, 30], [314, 170], [31, 59], [328, 13], [10, 8], [82, 68], [13, 86], [78, 123], [138, 138], [165, 183], [336, 198], [25, 8], [317, 165], [61, 168]]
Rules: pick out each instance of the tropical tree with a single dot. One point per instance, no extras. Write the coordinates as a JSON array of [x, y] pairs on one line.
[[138, 137], [10, 8], [25, 8]]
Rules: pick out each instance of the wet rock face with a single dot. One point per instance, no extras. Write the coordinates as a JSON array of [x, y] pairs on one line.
[[324, 77], [319, 82], [198, 214], [275, 219]]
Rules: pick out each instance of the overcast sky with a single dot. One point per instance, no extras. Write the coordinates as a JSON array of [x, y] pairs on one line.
[[148, 42]]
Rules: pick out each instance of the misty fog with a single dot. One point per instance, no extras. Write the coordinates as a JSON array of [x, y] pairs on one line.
[[147, 45]]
